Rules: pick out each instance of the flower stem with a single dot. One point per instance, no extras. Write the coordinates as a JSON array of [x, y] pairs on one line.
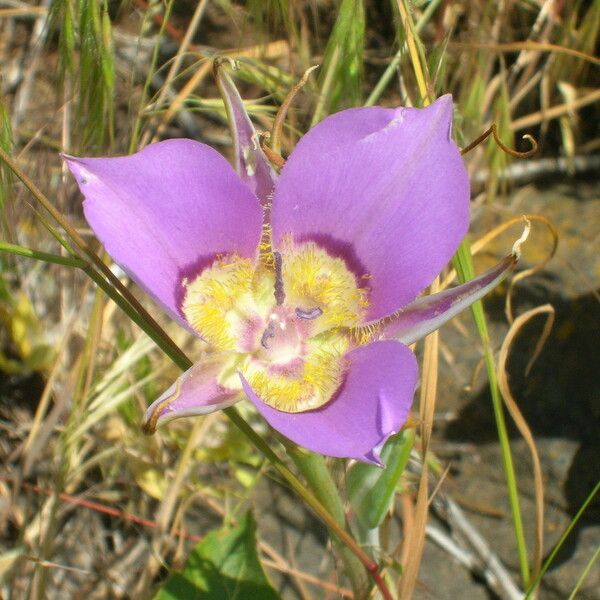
[[319, 480]]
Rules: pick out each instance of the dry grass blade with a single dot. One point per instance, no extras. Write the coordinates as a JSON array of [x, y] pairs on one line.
[[519, 420], [32, 446], [416, 540], [176, 65], [527, 45], [161, 540], [555, 111], [25, 11]]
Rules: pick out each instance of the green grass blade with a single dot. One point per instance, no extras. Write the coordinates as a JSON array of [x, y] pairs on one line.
[[463, 263], [561, 541], [96, 73], [585, 572], [67, 261], [136, 130], [6, 176], [341, 72]]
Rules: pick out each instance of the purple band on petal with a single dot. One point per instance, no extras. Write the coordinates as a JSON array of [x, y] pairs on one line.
[[166, 212], [386, 189]]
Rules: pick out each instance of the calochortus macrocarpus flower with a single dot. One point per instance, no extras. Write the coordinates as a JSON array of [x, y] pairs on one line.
[[301, 284]]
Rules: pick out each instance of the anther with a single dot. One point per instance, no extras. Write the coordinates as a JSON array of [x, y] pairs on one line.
[[279, 293], [268, 333], [308, 314]]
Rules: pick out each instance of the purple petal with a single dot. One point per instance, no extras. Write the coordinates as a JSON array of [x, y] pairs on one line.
[[196, 392], [165, 212], [372, 404], [429, 313], [384, 188], [252, 165]]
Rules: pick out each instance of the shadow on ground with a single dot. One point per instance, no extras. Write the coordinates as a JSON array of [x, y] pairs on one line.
[[560, 398]]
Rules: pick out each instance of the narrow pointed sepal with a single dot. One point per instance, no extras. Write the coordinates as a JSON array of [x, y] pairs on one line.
[[429, 313], [250, 161], [197, 392]]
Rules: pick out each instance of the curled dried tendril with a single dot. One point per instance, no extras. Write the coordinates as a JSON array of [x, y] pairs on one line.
[[494, 132], [518, 417], [283, 109]]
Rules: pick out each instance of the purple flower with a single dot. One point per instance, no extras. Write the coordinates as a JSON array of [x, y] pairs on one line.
[[303, 285]]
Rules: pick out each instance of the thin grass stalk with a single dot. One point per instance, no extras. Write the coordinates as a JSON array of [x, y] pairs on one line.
[[520, 420], [176, 65], [416, 541], [536, 582], [463, 263], [137, 124], [6, 143], [325, 90], [385, 79], [585, 573], [415, 56], [343, 60], [93, 339], [66, 261]]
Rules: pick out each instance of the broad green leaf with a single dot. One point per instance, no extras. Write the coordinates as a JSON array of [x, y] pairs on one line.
[[371, 489], [223, 566]]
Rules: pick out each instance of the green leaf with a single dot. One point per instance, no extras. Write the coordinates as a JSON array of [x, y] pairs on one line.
[[223, 566], [371, 489]]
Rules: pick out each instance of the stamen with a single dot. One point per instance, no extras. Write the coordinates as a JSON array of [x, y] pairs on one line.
[[308, 314], [268, 333], [279, 292]]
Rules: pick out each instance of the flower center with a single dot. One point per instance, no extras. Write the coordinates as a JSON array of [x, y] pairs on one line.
[[283, 324]]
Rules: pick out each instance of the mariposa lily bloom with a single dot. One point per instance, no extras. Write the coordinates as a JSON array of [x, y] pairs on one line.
[[302, 284]]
